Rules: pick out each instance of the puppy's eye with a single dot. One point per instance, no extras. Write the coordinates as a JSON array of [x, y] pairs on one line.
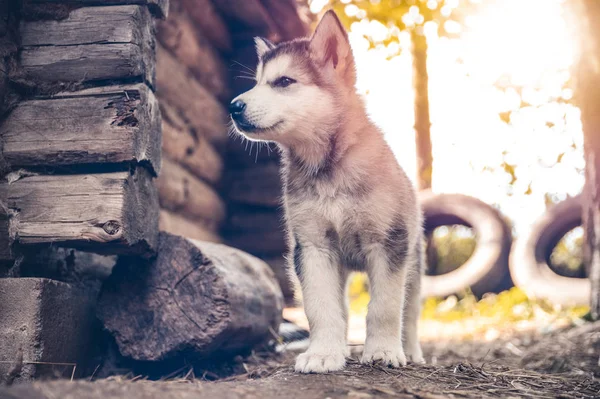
[[283, 81]]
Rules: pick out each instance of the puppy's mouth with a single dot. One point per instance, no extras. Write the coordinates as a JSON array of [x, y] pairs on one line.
[[247, 127]]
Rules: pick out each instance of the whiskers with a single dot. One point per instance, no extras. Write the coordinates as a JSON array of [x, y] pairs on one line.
[[249, 144], [246, 73]]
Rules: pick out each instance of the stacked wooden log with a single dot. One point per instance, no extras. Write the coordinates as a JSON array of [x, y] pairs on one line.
[[193, 89], [83, 146], [80, 135]]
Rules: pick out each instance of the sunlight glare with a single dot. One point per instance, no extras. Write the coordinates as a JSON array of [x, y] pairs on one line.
[[513, 58]]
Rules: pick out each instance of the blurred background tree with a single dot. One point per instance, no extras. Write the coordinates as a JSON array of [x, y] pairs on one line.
[[411, 16]]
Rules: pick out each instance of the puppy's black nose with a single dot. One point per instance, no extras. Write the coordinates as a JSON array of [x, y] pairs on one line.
[[237, 107]]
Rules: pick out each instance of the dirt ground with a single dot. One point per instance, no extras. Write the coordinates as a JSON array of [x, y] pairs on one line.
[[564, 364]]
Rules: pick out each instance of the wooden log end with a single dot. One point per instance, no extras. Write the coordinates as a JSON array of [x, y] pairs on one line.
[[105, 125], [196, 296], [110, 213], [140, 213]]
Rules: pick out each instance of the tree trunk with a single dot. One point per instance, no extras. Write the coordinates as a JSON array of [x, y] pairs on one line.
[[588, 100], [422, 120]]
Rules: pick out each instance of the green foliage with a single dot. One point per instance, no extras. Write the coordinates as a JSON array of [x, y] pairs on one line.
[[567, 257], [449, 248], [509, 306]]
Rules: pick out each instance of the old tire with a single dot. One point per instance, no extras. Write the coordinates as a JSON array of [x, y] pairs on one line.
[[487, 268], [530, 254]]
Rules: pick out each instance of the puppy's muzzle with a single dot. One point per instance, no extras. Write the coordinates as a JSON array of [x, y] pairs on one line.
[[237, 110]]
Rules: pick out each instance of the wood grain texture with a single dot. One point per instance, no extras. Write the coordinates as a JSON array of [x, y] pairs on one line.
[[117, 124], [259, 185], [107, 212], [250, 17], [196, 105], [286, 18], [190, 46], [195, 153], [180, 192], [194, 296], [6, 238], [159, 8], [253, 219], [263, 244], [208, 19], [176, 224], [93, 43]]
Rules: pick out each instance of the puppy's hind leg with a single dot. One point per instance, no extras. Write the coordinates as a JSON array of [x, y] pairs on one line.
[[412, 307], [322, 291], [384, 317]]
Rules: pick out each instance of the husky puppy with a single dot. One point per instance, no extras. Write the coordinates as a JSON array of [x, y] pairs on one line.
[[348, 204]]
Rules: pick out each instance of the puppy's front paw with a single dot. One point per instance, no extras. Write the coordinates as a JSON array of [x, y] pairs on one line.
[[316, 362], [392, 356]]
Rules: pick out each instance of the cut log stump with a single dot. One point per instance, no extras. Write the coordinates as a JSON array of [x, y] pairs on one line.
[[194, 296]]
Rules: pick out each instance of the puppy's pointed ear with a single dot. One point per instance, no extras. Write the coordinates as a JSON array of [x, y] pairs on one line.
[[262, 45], [329, 43]]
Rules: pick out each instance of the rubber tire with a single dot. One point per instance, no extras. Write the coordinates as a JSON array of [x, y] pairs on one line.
[[487, 268], [530, 253]]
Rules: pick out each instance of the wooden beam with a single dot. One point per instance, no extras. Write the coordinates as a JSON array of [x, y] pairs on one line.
[[286, 18], [195, 153], [259, 185], [93, 43], [198, 107], [180, 192], [252, 219], [189, 45], [205, 15], [249, 15], [159, 8], [175, 224], [266, 244], [116, 124], [110, 213], [194, 297], [7, 235]]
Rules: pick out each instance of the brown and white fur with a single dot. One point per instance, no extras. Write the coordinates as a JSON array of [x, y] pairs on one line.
[[348, 204]]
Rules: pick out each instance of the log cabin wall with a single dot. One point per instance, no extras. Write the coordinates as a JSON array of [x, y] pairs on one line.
[[212, 187], [97, 82], [80, 130], [193, 90]]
